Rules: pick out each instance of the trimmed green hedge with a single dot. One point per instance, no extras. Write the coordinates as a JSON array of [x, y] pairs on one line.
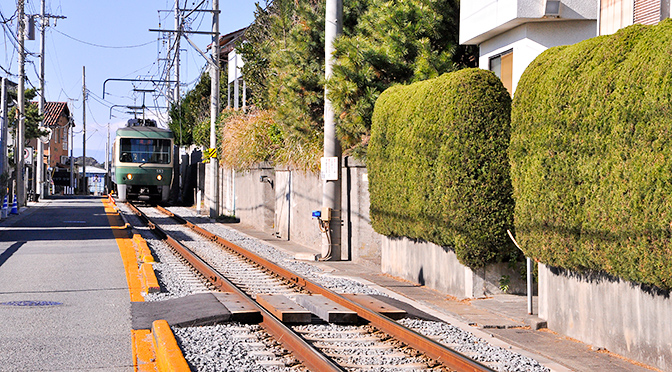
[[591, 155], [438, 165]]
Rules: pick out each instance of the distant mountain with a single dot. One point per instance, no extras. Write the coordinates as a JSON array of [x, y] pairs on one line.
[[89, 161]]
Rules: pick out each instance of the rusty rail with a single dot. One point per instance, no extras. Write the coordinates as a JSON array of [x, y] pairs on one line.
[[442, 354], [312, 358]]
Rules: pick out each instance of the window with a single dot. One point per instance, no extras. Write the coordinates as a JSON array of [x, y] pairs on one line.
[[502, 66], [141, 150]]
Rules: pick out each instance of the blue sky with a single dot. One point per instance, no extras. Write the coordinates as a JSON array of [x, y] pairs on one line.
[[116, 28]]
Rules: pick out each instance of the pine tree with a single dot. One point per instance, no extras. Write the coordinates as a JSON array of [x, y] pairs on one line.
[[394, 42]]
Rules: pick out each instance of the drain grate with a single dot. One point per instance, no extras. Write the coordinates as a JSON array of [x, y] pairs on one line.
[[31, 303]]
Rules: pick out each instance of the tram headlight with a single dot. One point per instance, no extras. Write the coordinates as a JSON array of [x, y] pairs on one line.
[[159, 177], [129, 176]]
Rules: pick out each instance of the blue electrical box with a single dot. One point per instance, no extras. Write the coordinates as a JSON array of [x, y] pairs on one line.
[[317, 214]]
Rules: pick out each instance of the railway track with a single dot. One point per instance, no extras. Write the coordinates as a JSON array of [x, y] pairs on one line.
[[379, 344]]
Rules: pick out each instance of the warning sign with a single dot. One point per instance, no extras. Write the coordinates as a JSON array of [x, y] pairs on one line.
[[209, 154]]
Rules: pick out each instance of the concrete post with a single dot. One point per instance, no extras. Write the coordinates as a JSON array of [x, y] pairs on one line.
[[21, 130], [331, 190], [39, 157], [212, 193], [84, 187]]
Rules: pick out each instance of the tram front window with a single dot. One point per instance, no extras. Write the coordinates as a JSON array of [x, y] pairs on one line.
[[143, 150]]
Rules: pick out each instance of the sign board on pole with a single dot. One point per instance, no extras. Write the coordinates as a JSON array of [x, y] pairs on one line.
[[28, 155], [329, 168]]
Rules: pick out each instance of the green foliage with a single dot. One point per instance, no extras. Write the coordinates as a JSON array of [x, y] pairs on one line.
[[32, 116], [189, 119], [591, 150], [384, 42], [284, 59], [392, 42], [438, 165]]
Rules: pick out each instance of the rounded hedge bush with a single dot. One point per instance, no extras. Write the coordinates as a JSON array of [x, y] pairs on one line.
[[438, 165], [591, 155]]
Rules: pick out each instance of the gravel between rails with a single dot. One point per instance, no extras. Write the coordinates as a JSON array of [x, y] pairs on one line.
[[224, 347], [457, 338]]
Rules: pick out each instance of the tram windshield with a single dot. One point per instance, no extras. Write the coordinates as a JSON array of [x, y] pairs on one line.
[[144, 150]]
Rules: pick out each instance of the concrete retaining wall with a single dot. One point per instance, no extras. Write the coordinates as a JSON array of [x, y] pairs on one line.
[[359, 239], [607, 312], [280, 201], [254, 200], [438, 268]]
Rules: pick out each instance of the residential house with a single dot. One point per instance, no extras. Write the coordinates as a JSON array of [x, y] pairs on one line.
[[510, 34], [616, 14], [57, 119]]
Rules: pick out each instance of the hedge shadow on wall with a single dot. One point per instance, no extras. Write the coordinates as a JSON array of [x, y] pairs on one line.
[[438, 165], [591, 155]]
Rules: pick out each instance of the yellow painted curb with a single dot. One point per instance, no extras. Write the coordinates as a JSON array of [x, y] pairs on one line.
[[144, 254], [143, 351], [169, 357], [149, 282]]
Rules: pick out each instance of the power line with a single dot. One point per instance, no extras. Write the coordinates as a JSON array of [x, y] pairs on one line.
[[104, 46]]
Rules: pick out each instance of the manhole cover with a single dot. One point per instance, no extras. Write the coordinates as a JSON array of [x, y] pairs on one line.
[[31, 303]]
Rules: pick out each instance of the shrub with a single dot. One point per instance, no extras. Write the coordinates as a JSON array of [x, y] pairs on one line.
[[438, 165], [591, 155]]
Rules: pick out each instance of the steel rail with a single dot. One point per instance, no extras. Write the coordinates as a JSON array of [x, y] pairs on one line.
[[312, 358], [440, 353]]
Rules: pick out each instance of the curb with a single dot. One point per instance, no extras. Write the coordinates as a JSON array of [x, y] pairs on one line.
[[168, 354]]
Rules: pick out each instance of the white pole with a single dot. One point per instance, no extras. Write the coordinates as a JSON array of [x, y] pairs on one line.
[[84, 183], [176, 92], [212, 193], [39, 157], [20, 185]]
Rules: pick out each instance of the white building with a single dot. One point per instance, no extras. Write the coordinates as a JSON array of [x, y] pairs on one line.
[[512, 33]]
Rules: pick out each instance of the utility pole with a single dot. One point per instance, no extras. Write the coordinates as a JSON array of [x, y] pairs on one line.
[[178, 27], [212, 197], [84, 185], [331, 188], [39, 158], [107, 150], [71, 144], [39, 164], [21, 130]]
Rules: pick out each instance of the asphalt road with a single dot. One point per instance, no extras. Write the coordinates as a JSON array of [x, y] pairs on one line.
[[64, 301]]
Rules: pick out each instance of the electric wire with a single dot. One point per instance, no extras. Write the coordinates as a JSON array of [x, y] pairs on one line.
[[105, 46]]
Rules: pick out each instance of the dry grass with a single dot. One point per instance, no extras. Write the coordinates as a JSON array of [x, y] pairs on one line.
[[254, 137]]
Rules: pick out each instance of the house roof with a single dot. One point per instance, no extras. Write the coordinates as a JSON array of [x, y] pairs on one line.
[[53, 111], [226, 43]]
